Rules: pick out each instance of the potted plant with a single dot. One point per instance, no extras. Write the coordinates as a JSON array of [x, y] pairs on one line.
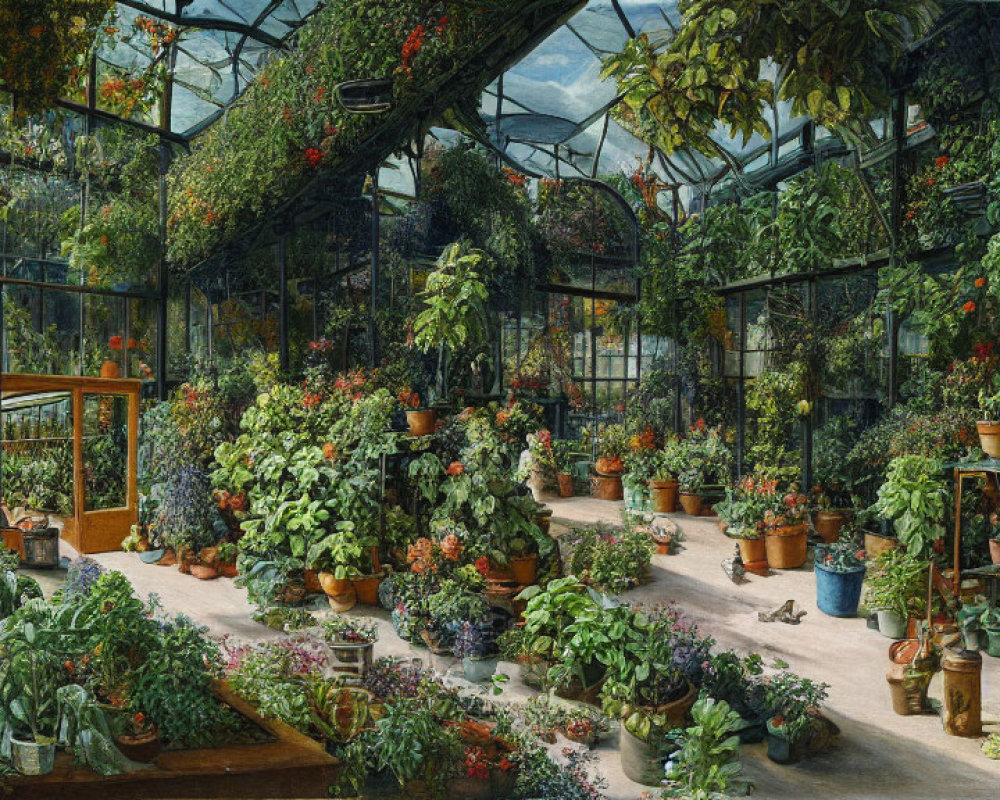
[[225, 559], [584, 726], [913, 499], [989, 425], [28, 690], [702, 456], [743, 512], [663, 486], [338, 557], [707, 762], [840, 573], [791, 704], [421, 421], [140, 740], [653, 687], [476, 645], [609, 559], [611, 448], [349, 637], [994, 541], [786, 531], [449, 608], [564, 457], [896, 588]]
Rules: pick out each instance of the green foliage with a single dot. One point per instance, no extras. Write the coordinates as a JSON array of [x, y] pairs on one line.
[[455, 298], [773, 397], [706, 764], [790, 699], [913, 498], [612, 560], [342, 552], [897, 582]]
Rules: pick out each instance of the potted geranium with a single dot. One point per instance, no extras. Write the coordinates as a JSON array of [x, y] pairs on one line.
[[611, 447], [840, 572], [339, 557], [640, 464], [786, 531], [421, 421]]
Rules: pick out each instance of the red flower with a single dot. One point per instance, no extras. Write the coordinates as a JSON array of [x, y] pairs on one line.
[[969, 307], [314, 157], [545, 437], [502, 417], [412, 46], [482, 565], [930, 181], [979, 282], [115, 342], [455, 468], [941, 162]]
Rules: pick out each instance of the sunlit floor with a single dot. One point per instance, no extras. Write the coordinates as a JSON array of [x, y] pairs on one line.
[[879, 754]]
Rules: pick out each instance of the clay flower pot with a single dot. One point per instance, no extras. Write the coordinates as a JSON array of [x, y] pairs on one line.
[[753, 552], [366, 589], [608, 487], [786, 546], [989, 437], [664, 496], [203, 572], [691, 503], [110, 369], [828, 524], [525, 568], [565, 481], [995, 551], [421, 423], [143, 747]]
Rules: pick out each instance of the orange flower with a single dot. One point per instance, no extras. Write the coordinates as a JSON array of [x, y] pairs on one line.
[[482, 565], [329, 451], [941, 162], [455, 468], [969, 307], [451, 548], [979, 282], [502, 417]]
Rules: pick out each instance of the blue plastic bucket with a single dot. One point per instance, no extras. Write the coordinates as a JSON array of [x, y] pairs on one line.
[[838, 593]]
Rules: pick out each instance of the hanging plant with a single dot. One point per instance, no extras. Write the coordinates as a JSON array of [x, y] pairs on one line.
[[43, 43]]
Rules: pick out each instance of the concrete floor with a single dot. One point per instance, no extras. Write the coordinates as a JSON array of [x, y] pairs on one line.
[[879, 755]]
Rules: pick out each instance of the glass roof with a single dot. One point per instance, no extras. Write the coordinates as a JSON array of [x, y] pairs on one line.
[[549, 114], [220, 46]]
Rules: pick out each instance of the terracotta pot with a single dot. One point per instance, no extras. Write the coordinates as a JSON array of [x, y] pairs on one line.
[[989, 437], [525, 569], [142, 748], [343, 602], [110, 369], [664, 495], [786, 546], [228, 570], [995, 551], [499, 574], [691, 503], [12, 540], [608, 487], [875, 544], [366, 589], [753, 551], [421, 423], [676, 711], [565, 481], [608, 466], [203, 572], [313, 586], [169, 559], [663, 548], [332, 585], [828, 524]]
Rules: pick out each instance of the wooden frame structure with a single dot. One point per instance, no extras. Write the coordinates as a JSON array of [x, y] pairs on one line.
[[99, 530]]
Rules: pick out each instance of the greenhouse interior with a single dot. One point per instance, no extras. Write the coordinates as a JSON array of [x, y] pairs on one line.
[[515, 399]]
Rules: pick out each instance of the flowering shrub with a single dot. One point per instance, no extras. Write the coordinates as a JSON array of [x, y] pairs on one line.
[[841, 556]]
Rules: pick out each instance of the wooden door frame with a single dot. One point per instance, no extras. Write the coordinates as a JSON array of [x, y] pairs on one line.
[[100, 530]]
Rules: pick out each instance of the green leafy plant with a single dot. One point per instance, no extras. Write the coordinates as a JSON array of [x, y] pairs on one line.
[[707, 762], [897, 582], [342, 553], [914, 500], [791, 701]]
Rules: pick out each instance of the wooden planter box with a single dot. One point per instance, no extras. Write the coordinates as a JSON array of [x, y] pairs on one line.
[[291, 766]]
